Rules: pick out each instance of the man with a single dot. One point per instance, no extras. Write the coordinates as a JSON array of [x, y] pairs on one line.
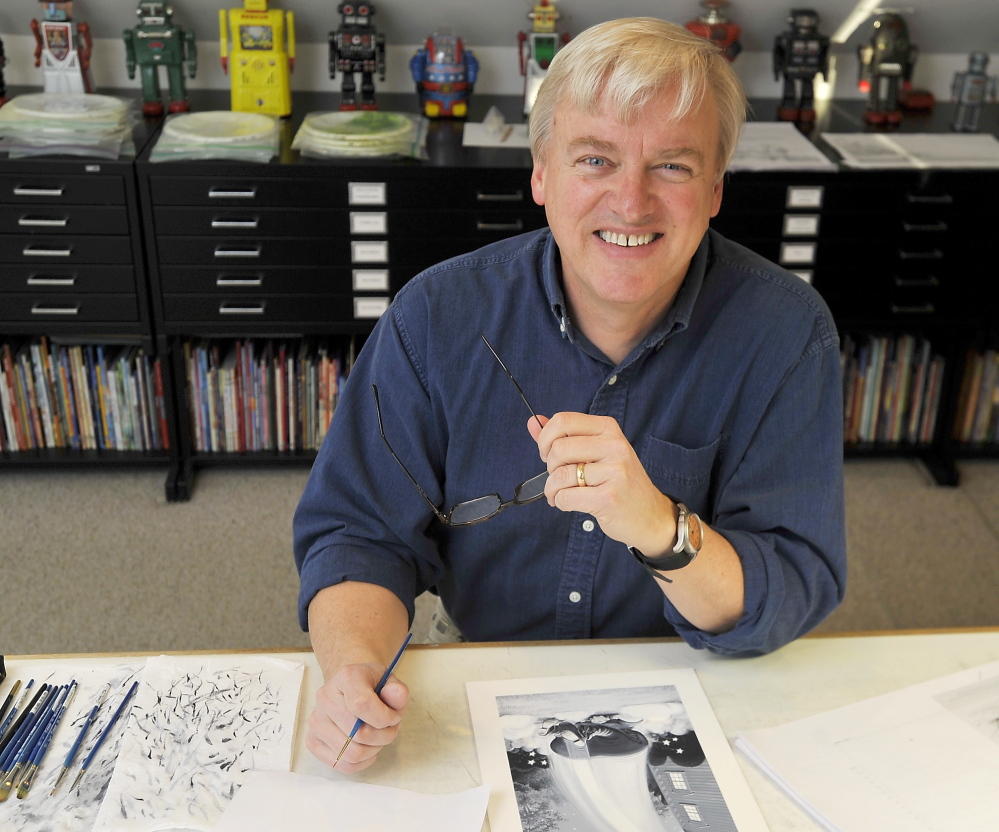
[[686, 376]]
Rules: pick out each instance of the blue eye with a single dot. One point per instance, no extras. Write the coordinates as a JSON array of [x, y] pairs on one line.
[[596, 161]]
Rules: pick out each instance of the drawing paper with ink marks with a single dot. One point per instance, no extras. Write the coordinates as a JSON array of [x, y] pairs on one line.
[[620, 752], [196, 728], [923, 759]]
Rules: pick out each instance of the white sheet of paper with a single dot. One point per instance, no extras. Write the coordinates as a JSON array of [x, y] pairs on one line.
[[196, 727], [915, 150], [923, 759], [777, 146], [272, 801], [476, 135]]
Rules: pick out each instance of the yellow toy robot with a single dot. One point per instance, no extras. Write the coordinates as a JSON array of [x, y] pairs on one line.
[[261, 68]]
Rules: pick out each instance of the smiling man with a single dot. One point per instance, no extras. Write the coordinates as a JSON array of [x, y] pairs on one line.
[[682, 469]]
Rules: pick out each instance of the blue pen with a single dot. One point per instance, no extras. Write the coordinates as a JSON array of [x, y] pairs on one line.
[[71, 756], [103, 736], [43, 744], [378, 689], [18, 751]]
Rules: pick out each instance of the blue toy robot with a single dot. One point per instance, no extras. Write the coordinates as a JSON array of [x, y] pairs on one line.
[[444, 72], [357, 47]]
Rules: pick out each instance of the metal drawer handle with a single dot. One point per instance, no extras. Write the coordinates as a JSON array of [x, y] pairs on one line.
[[45, 280], [917, 282], [923, 199], [933, 226], [43, 222], [257, 280], [236, 223], [38, 309], [31, 251], [249, 193], [516, 196], [20, 190], [517, 225], [237, 252], [924, 309], [225, 308], [936, 254]]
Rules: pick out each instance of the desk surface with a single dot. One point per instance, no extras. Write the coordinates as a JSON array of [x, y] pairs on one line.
[[435, 751]]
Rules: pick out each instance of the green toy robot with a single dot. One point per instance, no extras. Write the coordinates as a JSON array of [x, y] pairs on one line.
[[156, 42]]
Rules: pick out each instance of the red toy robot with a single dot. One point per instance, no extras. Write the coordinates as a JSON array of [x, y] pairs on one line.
[[718, 29], [800, 53], [63, 49], [886, 63]]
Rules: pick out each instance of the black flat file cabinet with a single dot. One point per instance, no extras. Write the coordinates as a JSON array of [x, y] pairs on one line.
[[77, 353]]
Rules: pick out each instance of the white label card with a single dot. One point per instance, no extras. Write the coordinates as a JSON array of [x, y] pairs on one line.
[[797, 253], [366, 193], [804, 197], [368, 222], [804, 274], [801, 225], [374, 252], [371, 280], [370, 307]]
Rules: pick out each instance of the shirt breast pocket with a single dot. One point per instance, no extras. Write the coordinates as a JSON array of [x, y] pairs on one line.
[[682, 473]]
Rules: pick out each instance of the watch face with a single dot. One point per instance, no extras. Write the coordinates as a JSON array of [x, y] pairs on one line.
[[694, 531]]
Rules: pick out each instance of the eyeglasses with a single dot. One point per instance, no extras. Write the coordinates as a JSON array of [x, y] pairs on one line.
[[470, 512]]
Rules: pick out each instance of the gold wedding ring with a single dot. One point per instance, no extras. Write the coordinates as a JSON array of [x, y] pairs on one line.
[[580, 476]]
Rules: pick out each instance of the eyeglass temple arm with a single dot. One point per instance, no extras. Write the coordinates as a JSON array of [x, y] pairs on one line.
[[515, 384], [381, 430]]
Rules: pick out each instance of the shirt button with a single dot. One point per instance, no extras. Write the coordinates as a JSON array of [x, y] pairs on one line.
[[612, 380], [588, 525], [575, 597]]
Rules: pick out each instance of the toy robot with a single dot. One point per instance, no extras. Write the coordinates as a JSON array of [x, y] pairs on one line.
[[261, 66], [356, 46], [64, 47], [444, 72], [970, 89], [538, 47], [718, 29], [886, 63], [3, 83], [800, 53], [156, 42]]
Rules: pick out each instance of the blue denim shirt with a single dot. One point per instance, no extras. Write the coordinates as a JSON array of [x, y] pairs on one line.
[[733, 404]]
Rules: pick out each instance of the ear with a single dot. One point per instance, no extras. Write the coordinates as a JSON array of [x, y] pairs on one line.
[[538, 182], [717, 197]]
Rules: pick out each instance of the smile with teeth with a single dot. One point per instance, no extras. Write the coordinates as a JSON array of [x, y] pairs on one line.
[[627, 239]]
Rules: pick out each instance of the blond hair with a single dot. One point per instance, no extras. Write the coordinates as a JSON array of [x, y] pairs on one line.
[[630, 61]]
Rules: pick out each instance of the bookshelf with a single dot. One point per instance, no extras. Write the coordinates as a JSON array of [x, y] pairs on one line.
[[239, 285]]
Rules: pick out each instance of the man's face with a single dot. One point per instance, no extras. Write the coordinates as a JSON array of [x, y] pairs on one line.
[[650, 184]]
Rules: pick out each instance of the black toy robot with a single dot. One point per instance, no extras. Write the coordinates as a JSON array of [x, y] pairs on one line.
[[800, 54], [357, 47], [886, 63], [969, 90]]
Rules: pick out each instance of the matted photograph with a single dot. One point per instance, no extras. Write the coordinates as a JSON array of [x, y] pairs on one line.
[[617, 752]]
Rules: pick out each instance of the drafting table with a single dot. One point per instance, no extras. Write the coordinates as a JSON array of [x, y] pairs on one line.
[[435, 751]]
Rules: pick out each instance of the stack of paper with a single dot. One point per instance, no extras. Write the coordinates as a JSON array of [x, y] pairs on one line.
[[923, 758], [369, 133], [75, 123], [217, 134], [915, 150], [776, 146]]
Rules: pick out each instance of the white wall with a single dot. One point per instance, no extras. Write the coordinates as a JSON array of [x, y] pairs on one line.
[[945, 33]]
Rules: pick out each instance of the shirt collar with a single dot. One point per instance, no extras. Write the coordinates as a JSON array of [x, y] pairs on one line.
[[676, 320]]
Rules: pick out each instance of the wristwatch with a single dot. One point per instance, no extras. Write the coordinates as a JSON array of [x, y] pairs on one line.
[[689, 538]]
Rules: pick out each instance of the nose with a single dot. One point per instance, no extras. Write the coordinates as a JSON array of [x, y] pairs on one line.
[[632, 197]]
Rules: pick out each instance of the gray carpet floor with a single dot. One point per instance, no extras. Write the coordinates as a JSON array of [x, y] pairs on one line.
[[99, 561]]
